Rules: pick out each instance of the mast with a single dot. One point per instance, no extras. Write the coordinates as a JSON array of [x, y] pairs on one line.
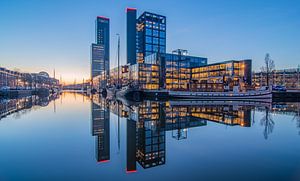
[[118, 60], [298, 70]]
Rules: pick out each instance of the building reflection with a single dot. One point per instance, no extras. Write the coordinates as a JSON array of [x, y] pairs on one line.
[[131, 146], [150, 134], [100, 128], [148, 123], [22, 105]]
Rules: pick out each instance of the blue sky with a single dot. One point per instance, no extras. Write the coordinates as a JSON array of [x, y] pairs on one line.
[[46, 34]]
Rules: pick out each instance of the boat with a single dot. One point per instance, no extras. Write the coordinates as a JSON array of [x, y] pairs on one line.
[[251, 103], [130, 93], [248, 95], [111, 92]]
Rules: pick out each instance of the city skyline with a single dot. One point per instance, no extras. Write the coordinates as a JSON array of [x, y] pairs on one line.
[[61, 40]]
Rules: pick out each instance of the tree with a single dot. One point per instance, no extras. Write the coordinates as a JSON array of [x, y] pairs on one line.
[[268, 68], [268, 123]]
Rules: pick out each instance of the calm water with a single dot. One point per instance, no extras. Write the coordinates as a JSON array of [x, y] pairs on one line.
[[70, 137]]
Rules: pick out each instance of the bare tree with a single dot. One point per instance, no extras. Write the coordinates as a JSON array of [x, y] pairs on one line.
[[268, 68], [268, 123]]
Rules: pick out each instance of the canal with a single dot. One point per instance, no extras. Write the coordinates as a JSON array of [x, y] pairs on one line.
[[77, 137]]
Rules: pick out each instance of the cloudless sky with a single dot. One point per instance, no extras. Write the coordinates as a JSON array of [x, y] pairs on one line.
[[38, 35]]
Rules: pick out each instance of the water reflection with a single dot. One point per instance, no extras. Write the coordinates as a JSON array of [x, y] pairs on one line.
[[23, 105], [100, 129], [152, 137], [147, 123], [288, 108]]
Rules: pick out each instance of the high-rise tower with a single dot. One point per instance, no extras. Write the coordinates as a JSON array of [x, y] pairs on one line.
[[100, 50], [102, 38], [131, 35], [145, 35], [151, 35]]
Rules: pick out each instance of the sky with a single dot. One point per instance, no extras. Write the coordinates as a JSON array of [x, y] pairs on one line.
[[43, 35]]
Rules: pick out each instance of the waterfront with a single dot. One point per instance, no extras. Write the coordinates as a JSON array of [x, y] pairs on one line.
[[67, 137]]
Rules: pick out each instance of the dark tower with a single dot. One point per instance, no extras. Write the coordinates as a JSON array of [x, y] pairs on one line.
[[131, 146], [131, 35]]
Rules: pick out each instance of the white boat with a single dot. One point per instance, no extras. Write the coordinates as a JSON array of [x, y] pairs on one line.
[[255, 103], [249, 95]]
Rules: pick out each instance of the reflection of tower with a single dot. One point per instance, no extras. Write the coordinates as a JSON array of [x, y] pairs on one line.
[[100, 129], [151, 135], [131, 146]]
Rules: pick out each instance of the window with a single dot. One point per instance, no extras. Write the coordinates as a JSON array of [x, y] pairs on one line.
[[155, 33], [162, 49], [149, 39], [162, 41], [155, 40], [148, 47], [162, 34], [148, 31], [155, 48], [155, 25], [148, 53], [149, 24], [162, 27]]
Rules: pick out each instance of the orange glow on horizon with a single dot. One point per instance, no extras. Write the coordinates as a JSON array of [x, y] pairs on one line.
[[67, 75]]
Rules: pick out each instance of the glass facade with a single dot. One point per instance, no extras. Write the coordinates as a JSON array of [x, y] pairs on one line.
[[145, 76], [229, 74], [175, 68], [100, 128], [97, 60], [102, 38], [153, 119], [150, 135], [123, 75], [149, 121], [151, 35]]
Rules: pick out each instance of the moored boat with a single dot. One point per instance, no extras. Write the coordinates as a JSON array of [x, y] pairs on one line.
[[130, 93], [249, 95]]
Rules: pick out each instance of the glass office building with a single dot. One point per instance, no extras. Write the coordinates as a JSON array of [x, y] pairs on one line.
[[145, 76], [100, 53], [102, 38], [100, 116], [224, 75], [175, 68], [97, 59], [122, 72], [181, 72], [150, 134], [151, 35]]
